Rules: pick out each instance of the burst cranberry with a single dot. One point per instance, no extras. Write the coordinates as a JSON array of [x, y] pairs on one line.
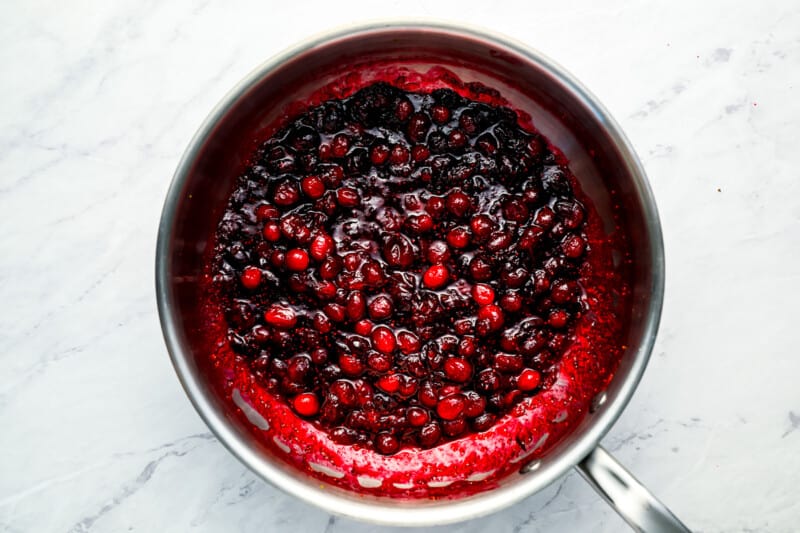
[[380, 307], [383, 339], [296, 259], [435, 277], [347, 197], [379, 154], [340, 145], [321, 246], [286, 194], [480, 269], [306, 404], [251, 277], [418, 126]]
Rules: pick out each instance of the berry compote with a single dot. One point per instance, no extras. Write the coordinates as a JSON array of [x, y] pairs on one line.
[[403, 277]]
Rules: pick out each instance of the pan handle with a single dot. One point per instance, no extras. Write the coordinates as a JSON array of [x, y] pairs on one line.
[[634, 503]]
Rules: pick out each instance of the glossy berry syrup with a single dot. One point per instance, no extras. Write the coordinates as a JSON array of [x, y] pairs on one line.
[[412, 294]]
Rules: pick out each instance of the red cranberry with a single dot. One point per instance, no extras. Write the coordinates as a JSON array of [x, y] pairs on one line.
[[457, 369], [558, 318], [347, 197], [458, 237], [313, 187], [458, 203], [516, 210], [436, 276], [399, 154], [438, 252], [528, 380], [508, 363], [251, 277], [418, 126], [379, 154], [386, 443], [383, 339], [286, 194], [420, 223], [482, 294], [306, 404], [573, 246], [483, 422], [340, 145], [403, 110], [492, 316], [380, 307], [272, 231], [350, 365], [440, 114], [481, 226], [511, 302], [475, 404], [480, 269], [545, 218], [456, 139], [321, 246], [451, 407], [380, 362], [408, 342], [389, 384], [419, 153], [356, 306], [363, 327], [429, 435], [295, 260], [417, 416], [280, 316], [334, 311]]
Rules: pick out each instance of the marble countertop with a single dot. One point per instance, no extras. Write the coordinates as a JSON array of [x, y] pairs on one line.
[[99, 99]]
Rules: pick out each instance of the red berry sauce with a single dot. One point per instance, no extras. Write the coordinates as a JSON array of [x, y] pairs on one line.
[[411, 292]]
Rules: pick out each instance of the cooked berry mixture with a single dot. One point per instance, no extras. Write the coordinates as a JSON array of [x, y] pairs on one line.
[[401, 268]]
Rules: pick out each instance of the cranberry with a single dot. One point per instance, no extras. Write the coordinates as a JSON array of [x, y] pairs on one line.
[[251, 277], [350, 365], [399, 154], [363, 327], [379, 154], [418, 126], [408, 342], [451, 407], [356, 306], [457, 369], [321, 246], [511, 302], [280, 316], [272, 231], [458, 203], [313, 187], [420, 223], [558, 318], [440, 114], [480, 269], [492, 316], [383, 339], [296, 259], [389, 384], [386, 443], [482, 294], [573, 246], [417, 416], [286, 194], [456, 139], [380, 307], [458, 237], [347, 197], [435, 277], [429, 435], [528, 379], [508, 363], [306, 404], [481, 226]]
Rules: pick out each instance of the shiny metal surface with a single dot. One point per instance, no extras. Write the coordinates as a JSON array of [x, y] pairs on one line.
[[637, 505], [564, 111]]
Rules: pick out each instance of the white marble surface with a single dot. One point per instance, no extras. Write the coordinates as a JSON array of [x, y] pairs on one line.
[[98, 101]]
